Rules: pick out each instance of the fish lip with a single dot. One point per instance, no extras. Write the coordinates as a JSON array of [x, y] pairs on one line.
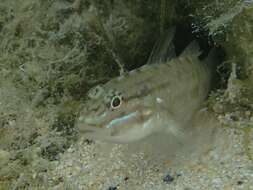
[[94, 132], [90, 128]]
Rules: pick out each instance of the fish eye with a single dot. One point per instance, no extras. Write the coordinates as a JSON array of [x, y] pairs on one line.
[[116, 102]]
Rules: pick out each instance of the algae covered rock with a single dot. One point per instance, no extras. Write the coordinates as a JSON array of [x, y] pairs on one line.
[[229, 24]]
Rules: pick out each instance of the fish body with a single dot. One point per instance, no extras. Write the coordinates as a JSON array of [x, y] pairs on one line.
[[158, 97]]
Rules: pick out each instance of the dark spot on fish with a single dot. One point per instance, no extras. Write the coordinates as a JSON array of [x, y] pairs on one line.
[[126, 178]]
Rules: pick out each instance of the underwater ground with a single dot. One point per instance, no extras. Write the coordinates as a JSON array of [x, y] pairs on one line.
[[53, 51]]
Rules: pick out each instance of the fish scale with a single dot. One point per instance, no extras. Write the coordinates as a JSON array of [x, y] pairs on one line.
[[167, 75]]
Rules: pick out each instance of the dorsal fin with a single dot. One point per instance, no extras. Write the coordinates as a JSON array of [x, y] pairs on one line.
[[192, 49], [163, 49]]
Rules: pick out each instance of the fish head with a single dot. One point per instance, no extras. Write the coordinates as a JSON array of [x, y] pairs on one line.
[[112, 116]]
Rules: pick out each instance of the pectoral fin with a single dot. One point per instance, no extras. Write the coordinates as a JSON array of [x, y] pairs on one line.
[[168, 124]]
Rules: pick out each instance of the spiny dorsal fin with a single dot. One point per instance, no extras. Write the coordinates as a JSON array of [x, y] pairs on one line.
[[163, 49], [192, 49]]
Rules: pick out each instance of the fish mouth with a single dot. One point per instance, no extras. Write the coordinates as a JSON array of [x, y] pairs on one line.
[[91, 124], [105, 131], [95, 133], [115, 127], [89, 127]]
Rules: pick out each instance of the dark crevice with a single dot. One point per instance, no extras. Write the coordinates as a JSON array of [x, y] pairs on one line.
[[183, 37], [185, 34]]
